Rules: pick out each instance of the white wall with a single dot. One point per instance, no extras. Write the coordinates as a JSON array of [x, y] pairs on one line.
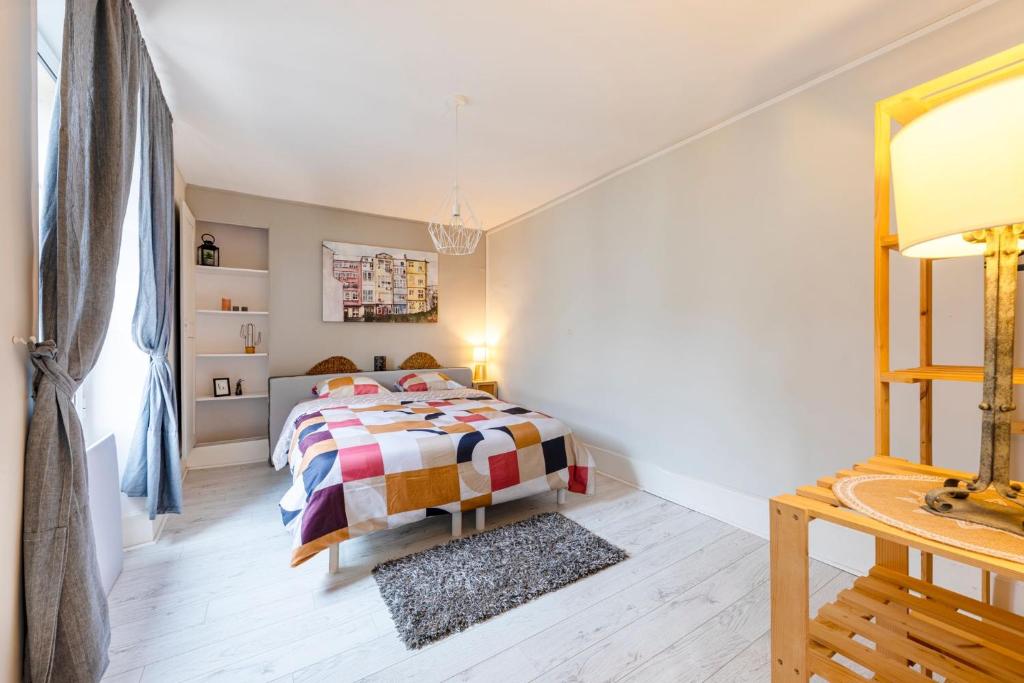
[[298, 338], [17, 221], [708, 314]]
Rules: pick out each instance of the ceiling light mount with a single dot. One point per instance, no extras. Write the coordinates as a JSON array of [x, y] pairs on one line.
[[455, 229]]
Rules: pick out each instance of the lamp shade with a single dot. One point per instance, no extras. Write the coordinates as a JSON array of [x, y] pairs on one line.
[[479, 354], [958, 168]]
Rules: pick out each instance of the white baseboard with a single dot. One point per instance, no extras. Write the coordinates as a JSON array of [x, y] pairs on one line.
[[227, 453], [137, 528], [738, 509], [831, 544], [140, 530], [842, 548]]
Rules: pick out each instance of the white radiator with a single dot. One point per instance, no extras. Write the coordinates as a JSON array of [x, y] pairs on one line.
[[105, 508]]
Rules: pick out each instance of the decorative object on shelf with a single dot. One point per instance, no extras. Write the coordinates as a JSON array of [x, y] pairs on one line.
[[480, 363], [250, 337], [334, 364], [367, 284], [238, 387], [380, 363], [419, 361], [245, 309], [956, 170], [457, 233], [236, 308], [225, 304], [221, 386], [208, 252]]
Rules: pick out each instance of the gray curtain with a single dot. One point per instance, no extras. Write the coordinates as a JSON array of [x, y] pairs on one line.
[[153, 468], [89, 170]]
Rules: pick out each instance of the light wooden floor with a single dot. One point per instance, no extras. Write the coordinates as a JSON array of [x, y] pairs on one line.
[[215, 599]]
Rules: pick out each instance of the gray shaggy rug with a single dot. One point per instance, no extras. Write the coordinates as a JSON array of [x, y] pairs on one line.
[[448, 588]]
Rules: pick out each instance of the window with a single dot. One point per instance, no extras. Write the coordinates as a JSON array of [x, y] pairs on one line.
[[46, 96], [112, 392]]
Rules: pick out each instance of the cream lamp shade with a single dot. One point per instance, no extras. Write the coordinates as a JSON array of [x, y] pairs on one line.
[[479, 354], [959, 168]]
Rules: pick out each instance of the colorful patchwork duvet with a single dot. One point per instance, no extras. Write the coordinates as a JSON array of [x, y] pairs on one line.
[[365, 463]]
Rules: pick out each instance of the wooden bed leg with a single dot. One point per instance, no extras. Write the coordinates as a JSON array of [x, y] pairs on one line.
[[560, 496], [480, 521], [333, 558], [456, 524]]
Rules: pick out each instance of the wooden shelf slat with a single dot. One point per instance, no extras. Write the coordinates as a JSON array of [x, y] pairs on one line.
[[939, 630], [948, 373], [907, 467], [902, 646], [835, 637], [830, 670], [937, 634], [818, 493], [953, 600]]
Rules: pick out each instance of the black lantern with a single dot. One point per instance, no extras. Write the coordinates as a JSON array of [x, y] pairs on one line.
[[209, 255]]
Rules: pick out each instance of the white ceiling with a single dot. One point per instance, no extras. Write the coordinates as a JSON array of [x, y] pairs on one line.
[[347, 103]]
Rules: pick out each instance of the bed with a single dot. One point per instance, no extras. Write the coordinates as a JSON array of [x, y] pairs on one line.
[[366, 463]]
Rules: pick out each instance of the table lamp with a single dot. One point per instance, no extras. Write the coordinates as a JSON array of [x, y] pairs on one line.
[[480, 363], [958, 184]]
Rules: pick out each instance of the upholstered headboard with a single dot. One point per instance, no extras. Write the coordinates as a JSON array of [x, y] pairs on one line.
[[287, 392]]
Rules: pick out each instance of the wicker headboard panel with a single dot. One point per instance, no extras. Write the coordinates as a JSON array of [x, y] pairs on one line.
[[420, 361], [287, 392], [335, 364]]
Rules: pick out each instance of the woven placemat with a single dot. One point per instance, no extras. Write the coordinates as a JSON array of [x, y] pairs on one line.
[[898, 500]]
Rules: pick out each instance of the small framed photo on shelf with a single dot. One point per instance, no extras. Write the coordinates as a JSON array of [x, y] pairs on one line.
[[221, 386]]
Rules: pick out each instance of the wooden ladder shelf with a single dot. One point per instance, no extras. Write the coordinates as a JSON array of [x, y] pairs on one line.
[[890, 623]]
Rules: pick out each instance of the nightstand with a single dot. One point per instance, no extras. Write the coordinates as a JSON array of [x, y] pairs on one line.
[[489, 385]]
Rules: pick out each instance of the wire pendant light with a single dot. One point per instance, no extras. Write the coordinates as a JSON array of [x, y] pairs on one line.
[[454, 228]]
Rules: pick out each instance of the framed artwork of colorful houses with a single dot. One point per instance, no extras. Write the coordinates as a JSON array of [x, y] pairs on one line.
[[367, 284]]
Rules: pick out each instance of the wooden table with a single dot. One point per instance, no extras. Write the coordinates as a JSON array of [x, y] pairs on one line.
[[901, 620]]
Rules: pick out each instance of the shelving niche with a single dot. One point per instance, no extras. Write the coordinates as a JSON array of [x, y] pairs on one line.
[[227, 430]]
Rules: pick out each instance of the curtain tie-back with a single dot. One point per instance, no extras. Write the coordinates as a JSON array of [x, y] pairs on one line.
[[158, 357], [45, 359]]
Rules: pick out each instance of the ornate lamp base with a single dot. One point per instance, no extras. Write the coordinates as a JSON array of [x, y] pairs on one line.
[[989, 497], [996, 506]]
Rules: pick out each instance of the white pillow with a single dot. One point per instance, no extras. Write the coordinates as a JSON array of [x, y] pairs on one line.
[[345, 387], [426, 381]]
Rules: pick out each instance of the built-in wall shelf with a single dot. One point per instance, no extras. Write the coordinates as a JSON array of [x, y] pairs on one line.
[[231, 355], [224, 270], [223, 427], [213, 311], [232, 397]]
